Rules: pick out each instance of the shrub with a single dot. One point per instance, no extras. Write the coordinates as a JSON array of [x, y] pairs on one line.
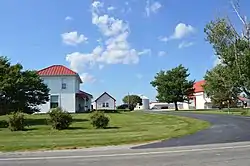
[[16, 121], [244, 113], [60, 119], [3, 124], [99, 119]]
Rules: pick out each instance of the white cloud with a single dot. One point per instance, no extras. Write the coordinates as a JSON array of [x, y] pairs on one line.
[[163, 39], [155, 7], [101, 67], [110, 8], [68, 18], [182, 30], [115, 49], [162, 53], [185, 44], [216, 61], [152, 8], [145, 52], [139, 76], [97, 4], [72, 38], [87, 78]]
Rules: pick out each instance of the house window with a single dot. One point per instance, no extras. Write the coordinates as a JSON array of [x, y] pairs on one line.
[[64, 85], [107, 104], [54, 101], [103, 104]]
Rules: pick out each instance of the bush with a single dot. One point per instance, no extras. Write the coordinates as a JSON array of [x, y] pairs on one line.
[[99, 119], [3, 124], [244, 113], [16, 121], [60, 119]]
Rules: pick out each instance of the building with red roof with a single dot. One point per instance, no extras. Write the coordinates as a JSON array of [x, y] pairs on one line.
[[199, 100], [64, 85]]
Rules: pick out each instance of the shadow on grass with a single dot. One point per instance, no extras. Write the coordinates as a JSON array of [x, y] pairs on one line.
[[80, 120], [44, 121], [76, 128], [112, 127], [30, 129]]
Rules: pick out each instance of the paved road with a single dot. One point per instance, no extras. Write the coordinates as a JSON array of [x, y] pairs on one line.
[[224, 129], [210, 155]]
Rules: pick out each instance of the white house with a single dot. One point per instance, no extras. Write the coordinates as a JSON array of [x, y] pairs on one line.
[[64, 85], [199, 100], [105, 101]]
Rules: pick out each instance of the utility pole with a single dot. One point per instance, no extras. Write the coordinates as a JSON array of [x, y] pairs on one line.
[[128, 101]]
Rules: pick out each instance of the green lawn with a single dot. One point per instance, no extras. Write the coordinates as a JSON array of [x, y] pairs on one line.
[[130, 127]]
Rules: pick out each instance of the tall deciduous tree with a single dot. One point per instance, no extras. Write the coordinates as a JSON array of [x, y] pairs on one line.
[[132, 99], [221, 87], [232, 48], [173, 85], [20, 90]]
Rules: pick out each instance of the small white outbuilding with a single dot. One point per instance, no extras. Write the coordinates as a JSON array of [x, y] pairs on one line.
[[144, 105]]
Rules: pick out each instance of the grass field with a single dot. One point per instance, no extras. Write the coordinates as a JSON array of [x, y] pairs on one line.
[[124, 128]]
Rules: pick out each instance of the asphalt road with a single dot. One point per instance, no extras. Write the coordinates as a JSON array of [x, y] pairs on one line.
[[224, 129], [212, 155]]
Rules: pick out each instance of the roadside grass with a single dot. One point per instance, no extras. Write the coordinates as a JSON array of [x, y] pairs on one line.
[[223, 111], [124, 128]]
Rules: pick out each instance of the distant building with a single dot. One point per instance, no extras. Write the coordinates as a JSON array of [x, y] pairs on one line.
[[144, 105], [64, 85], [200, 100], [105, 101]]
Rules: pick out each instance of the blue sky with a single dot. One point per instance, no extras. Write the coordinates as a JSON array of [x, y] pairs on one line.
[[115, 45]]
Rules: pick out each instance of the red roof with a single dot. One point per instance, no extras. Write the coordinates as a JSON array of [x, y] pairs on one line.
[[56, 70], [198, 86], [84, 94]]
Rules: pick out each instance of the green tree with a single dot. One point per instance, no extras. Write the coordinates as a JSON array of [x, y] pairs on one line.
[[20, 90], [220, 87], [232, 48], [173, 85], [132, 99]]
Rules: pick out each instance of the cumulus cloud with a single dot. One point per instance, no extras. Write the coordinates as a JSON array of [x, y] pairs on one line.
[[110, 8], [145, 52], [68, 18], [185, 44], [113, 49], [163, 39], [73, 38], [87, 78], [162, 53], [152, 8], [181, 30]]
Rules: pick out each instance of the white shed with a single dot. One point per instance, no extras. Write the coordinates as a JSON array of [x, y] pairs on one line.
[[105, 102]]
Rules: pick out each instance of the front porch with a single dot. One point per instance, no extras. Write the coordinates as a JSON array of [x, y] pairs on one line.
[[83, 102]]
